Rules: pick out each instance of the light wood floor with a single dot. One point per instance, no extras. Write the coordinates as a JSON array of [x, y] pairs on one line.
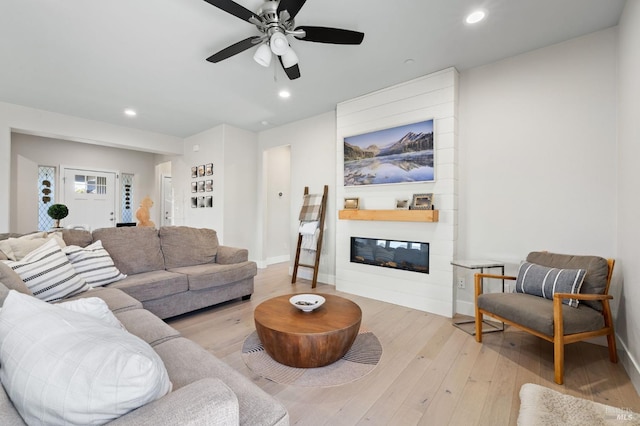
[[431, 373]]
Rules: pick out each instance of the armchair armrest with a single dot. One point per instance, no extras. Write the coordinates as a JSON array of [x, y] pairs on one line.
[[207, 401], [478, 280], [581, 296], [228, 255]]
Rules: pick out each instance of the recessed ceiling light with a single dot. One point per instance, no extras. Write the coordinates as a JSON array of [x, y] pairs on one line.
[[130, 112], [475, 17], [409, 61], [264, 122], [284, 94]]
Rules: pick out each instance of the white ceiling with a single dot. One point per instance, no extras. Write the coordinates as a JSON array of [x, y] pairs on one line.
[[92, 59]]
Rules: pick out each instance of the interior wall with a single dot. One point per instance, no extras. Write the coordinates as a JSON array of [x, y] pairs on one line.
[[278, 204], [628, 293], [313, 154], [430, 97], [28, 152], [538, 154], [240, 193]]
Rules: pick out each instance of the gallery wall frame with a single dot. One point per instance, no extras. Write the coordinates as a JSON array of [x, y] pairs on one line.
[[401, 154]]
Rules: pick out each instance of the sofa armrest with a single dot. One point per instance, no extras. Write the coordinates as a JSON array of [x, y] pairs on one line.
[[228, 255], [205, 402]]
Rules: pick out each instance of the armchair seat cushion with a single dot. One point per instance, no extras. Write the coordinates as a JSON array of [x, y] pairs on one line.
[[537, 312]]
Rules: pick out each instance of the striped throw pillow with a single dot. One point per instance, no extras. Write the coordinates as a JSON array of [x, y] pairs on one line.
[[544, 282], [94, 264], [48, 273]]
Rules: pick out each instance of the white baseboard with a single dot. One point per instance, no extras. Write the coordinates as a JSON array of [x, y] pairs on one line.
[[630, 364]]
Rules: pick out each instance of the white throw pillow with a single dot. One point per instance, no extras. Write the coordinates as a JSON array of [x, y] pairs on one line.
[[94, 264], [17, 248], [94, 307], [65, 367], [48, 273]]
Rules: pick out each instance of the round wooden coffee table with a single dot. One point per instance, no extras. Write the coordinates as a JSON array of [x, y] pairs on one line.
[[307, 339]]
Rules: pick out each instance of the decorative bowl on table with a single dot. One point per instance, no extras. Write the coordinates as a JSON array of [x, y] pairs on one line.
[[307, 302]]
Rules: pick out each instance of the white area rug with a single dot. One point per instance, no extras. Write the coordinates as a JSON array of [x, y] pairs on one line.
[[543, 406], [361, 359]]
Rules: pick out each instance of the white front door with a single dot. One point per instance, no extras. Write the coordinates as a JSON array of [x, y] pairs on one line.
[[167, 201], [90, 196]]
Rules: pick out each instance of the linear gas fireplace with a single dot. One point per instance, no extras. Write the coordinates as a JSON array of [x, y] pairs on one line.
[[405, 255]]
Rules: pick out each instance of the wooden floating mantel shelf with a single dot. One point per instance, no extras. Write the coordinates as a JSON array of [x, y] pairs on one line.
[[390, 215]]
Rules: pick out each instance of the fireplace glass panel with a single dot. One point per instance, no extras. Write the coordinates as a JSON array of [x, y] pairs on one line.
[[405, 255]]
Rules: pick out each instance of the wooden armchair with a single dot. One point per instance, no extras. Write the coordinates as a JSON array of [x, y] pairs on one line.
[[553, 320]]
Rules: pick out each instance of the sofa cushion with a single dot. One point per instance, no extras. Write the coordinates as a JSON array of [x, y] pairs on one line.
[[543, 281], [595, 281], [206, 402], [77, 237], [12, 280], [134, 249], [116, 300], [537, 312], [48, 273], [214, 275], [186, 246], [147, 326], [187, 362], [64, 367], [152, 285], [94, 264]]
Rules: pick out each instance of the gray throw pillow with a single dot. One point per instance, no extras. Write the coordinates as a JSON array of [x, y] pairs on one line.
[[544, 282]]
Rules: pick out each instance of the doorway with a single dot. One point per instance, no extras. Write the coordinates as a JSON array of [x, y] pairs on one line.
[[167, 201], [278, 204], [90, 196]]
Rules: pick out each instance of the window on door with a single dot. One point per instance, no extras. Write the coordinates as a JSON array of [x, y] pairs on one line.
[[87, 184]]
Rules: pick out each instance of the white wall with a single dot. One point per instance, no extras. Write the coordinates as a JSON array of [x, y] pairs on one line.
[[44, 123], [240, 192], [433, 96], [313, 154], [538, 154], [628, 294], [28, 152]]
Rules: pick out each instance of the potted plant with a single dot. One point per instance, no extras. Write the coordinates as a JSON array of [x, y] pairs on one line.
[[58, 212]]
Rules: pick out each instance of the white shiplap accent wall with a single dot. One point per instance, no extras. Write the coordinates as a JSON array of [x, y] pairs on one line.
[[432, 96]]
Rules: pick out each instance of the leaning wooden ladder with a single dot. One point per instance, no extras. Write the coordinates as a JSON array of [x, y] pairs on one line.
[[316, 265]]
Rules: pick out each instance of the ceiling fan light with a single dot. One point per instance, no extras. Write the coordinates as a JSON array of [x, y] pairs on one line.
[[263, 55], [289, 59], [279, 44]]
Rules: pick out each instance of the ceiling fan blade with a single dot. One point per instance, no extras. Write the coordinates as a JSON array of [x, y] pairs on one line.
[[331, 35], [291, 6], [292, 72], [234, 49], [234, 9]]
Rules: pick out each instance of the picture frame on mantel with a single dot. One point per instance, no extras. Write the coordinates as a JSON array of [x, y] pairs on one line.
[[402, 154], [352, 203], [422, 202]]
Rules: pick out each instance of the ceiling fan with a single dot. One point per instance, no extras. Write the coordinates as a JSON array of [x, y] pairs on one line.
[[275, 21]]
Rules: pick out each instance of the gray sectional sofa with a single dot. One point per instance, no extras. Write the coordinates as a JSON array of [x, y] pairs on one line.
[[171, 271], [174, 269]]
